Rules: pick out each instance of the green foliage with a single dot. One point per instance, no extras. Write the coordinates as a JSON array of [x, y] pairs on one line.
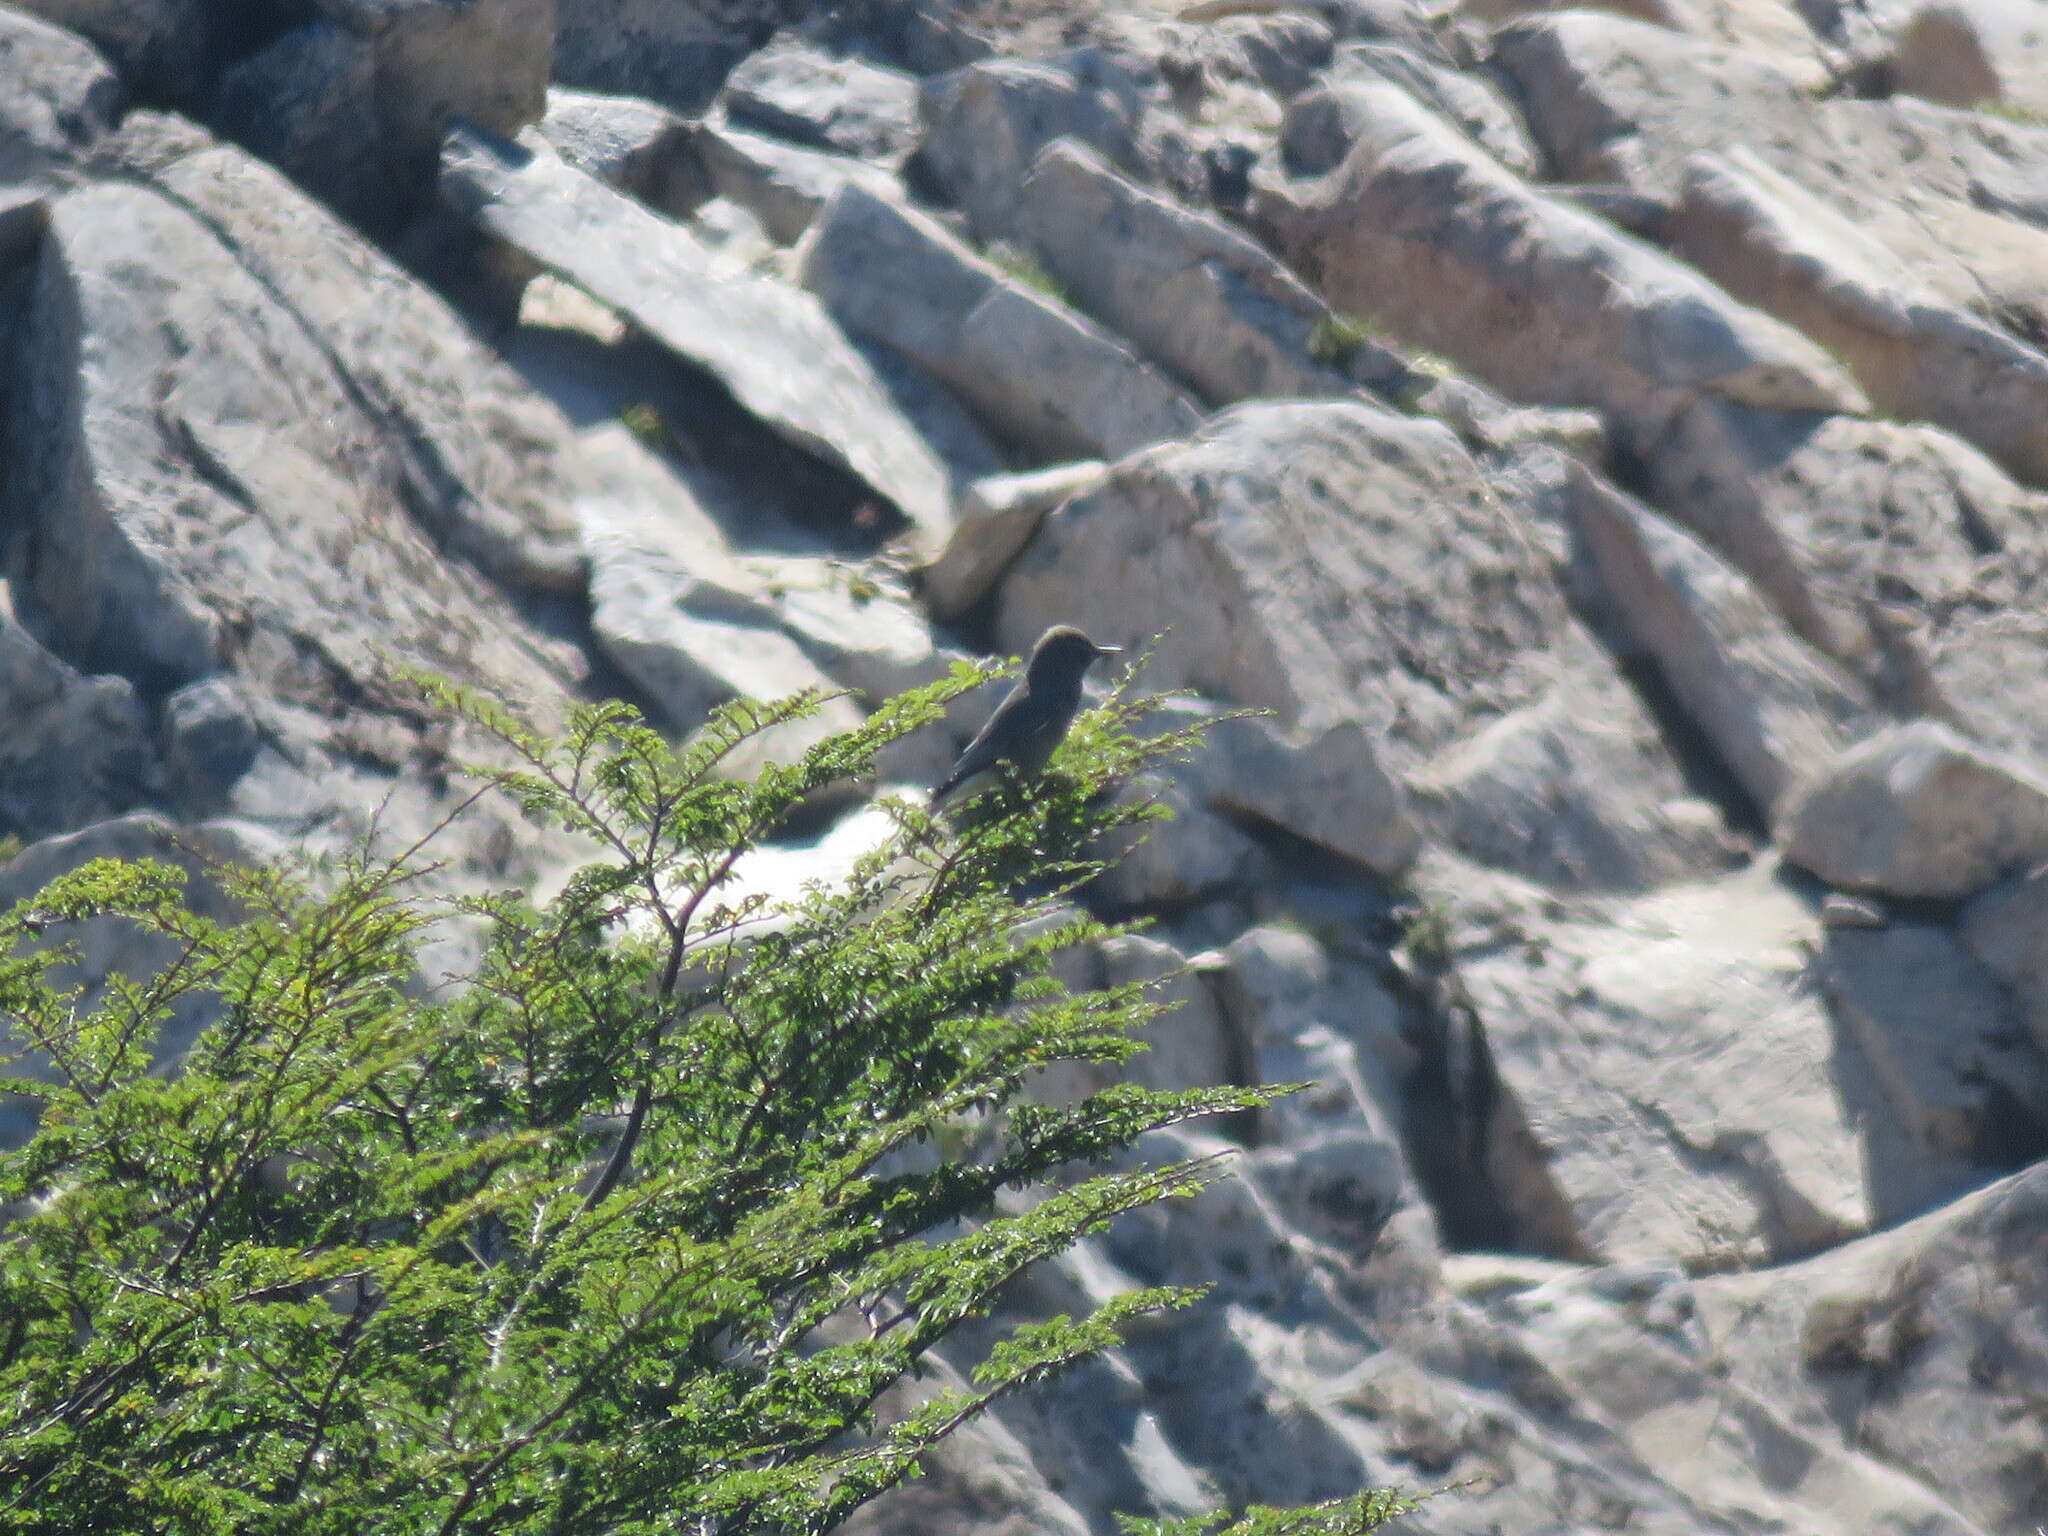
[[629, 1234], [1354, 1516], [1426, 931], [1334, 338], [645, 421], [1021, 266], [2013, 112]]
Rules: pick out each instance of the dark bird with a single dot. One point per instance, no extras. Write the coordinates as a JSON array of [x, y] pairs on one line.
[[1034, 718]]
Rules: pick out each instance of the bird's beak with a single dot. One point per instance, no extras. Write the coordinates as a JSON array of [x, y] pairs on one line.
[[1109, 650]]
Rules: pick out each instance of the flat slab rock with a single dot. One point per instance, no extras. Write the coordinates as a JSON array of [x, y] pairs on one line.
[[773, 346]]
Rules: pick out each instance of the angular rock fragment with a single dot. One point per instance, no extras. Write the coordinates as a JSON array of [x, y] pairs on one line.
[[985, 124], [1191, 1046], [1666, 1085], [1451, 252], [797, 92], [1917, 810], [1936, 1331], [1037, 374], [1968, 53], [995, 520], [642, 149], [166, 46], [782, 184], [1281, 51], [1324, 119], [1956, 197], [57, 96], [482, 62], [674, 54], [1829, 514], [75, 749], [211, 738], [308, 105], [773, 347], [1768, 704], [1627, 1341], [478, 454], [2007, 929], [1195, 295], [1944, 1039], [1772, 245], [1192, 856], [1323, 787], [1336, 563], [691, 644], [1299, 1014]]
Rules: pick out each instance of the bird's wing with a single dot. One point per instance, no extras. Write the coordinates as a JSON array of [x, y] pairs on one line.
[[998, 738]]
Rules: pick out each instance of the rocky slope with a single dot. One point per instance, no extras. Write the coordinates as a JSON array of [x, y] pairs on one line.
[[1611, 445]]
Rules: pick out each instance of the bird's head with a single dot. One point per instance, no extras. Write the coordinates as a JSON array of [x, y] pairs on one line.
[[1063, 654]]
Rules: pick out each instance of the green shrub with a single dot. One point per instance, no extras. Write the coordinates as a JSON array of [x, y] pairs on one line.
[[626, 1236], [1021, 266]]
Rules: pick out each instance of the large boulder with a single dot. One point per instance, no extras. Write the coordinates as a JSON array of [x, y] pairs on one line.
[[688, 640], [772, 346], [477, 454], [1661, 1080], [482, 62], [1918, 811], [995, 520], [847, 104], [1973, 53], [200, 487], [308, 105], [2007, 929], [1323, 121], [1955, 197], [1945, 1041], [1926, 1346], [783, 185], [640, 148], [1448, 251], [1336, 562], [1628, 1342], [1829, 515], [1040, 376]]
